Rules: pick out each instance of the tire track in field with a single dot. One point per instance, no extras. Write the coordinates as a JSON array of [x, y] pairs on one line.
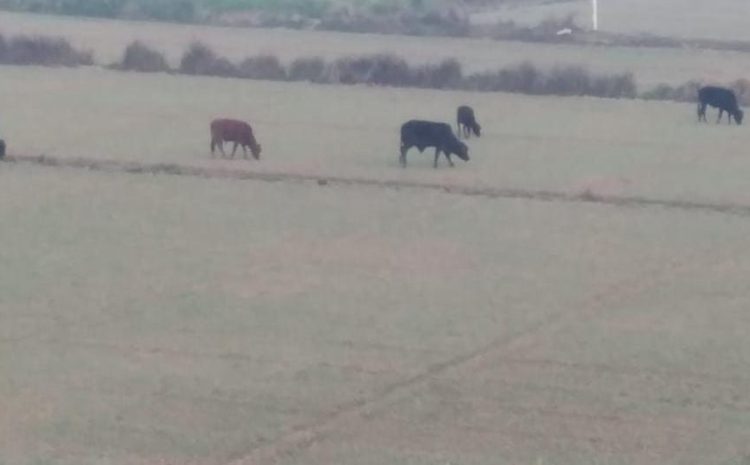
[[173, 169], [302, 437]]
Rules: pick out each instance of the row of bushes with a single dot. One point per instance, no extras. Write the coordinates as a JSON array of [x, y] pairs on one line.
[[382, 69], [387, 70], [391, 70], [687, 91], [46, 51]]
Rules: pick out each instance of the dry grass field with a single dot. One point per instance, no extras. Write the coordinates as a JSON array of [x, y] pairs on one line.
[[716, 19], [611, 147], [169, 320], [166, 320], [108, 40]]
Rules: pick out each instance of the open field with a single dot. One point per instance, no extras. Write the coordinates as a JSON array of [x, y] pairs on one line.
[[716, 19], [152, 320], [108, 40], [629, 148]]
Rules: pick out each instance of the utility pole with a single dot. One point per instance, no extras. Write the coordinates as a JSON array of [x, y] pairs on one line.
[[595, 14]]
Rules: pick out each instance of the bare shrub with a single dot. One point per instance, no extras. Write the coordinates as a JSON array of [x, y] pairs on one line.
[[46, 51], [523, 78], [526, 78], [568, 80], [308, 69], [140, 57], [380, 69], [222, 67], [198, 59], [546, 31], [687, 92], [614, 86], [447, 74], [262, 67], [388, 19]]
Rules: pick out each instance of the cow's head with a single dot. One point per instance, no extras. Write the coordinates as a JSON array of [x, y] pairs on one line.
[[256, 148], [738, 116], [462, 151], [477, 129]]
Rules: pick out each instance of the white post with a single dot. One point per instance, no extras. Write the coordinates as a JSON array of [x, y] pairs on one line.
[[595, 14]]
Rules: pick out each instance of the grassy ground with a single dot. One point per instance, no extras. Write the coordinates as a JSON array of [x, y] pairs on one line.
[[651, 66], [156, 320], [718, 19], [635, 148]]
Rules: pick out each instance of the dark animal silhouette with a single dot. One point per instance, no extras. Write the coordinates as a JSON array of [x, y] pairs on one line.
[[423, 134], [2, 149], [721, 98], [239, 132], [467, 122]]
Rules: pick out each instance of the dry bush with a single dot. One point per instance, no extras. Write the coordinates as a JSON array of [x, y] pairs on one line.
[[308, 69], [199, 59], [523, 78], [526, 78], [262, 67], [222, 67], [687, 92], [546, 31], [447, 74], [382, 69], [41, 50], [140, 57], [615, 86]]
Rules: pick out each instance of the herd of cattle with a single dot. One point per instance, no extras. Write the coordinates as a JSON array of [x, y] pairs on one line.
[[415, 133], [423, 134]]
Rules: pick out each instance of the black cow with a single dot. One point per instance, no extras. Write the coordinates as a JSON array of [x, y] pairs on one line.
[[423, 134], [721, 98], [466, 122]]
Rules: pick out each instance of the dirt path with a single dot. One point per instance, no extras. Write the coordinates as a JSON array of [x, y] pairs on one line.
[[504, 193]]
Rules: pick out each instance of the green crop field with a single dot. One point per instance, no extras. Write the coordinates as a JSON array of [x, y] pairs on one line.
[[574, 294]]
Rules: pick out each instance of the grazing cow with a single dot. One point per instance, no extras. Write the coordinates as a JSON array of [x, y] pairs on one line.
[[467, 123], [721, 98], [423, 134], [239, 132]]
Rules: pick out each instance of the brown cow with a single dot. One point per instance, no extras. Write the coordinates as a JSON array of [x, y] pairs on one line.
[[239, 132]]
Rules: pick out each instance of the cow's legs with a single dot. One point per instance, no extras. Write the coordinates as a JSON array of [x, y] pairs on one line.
[[402, 158], [437, 155], [234, 149], [221, 148], [701, 112], [721, 113], [244, 151]]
